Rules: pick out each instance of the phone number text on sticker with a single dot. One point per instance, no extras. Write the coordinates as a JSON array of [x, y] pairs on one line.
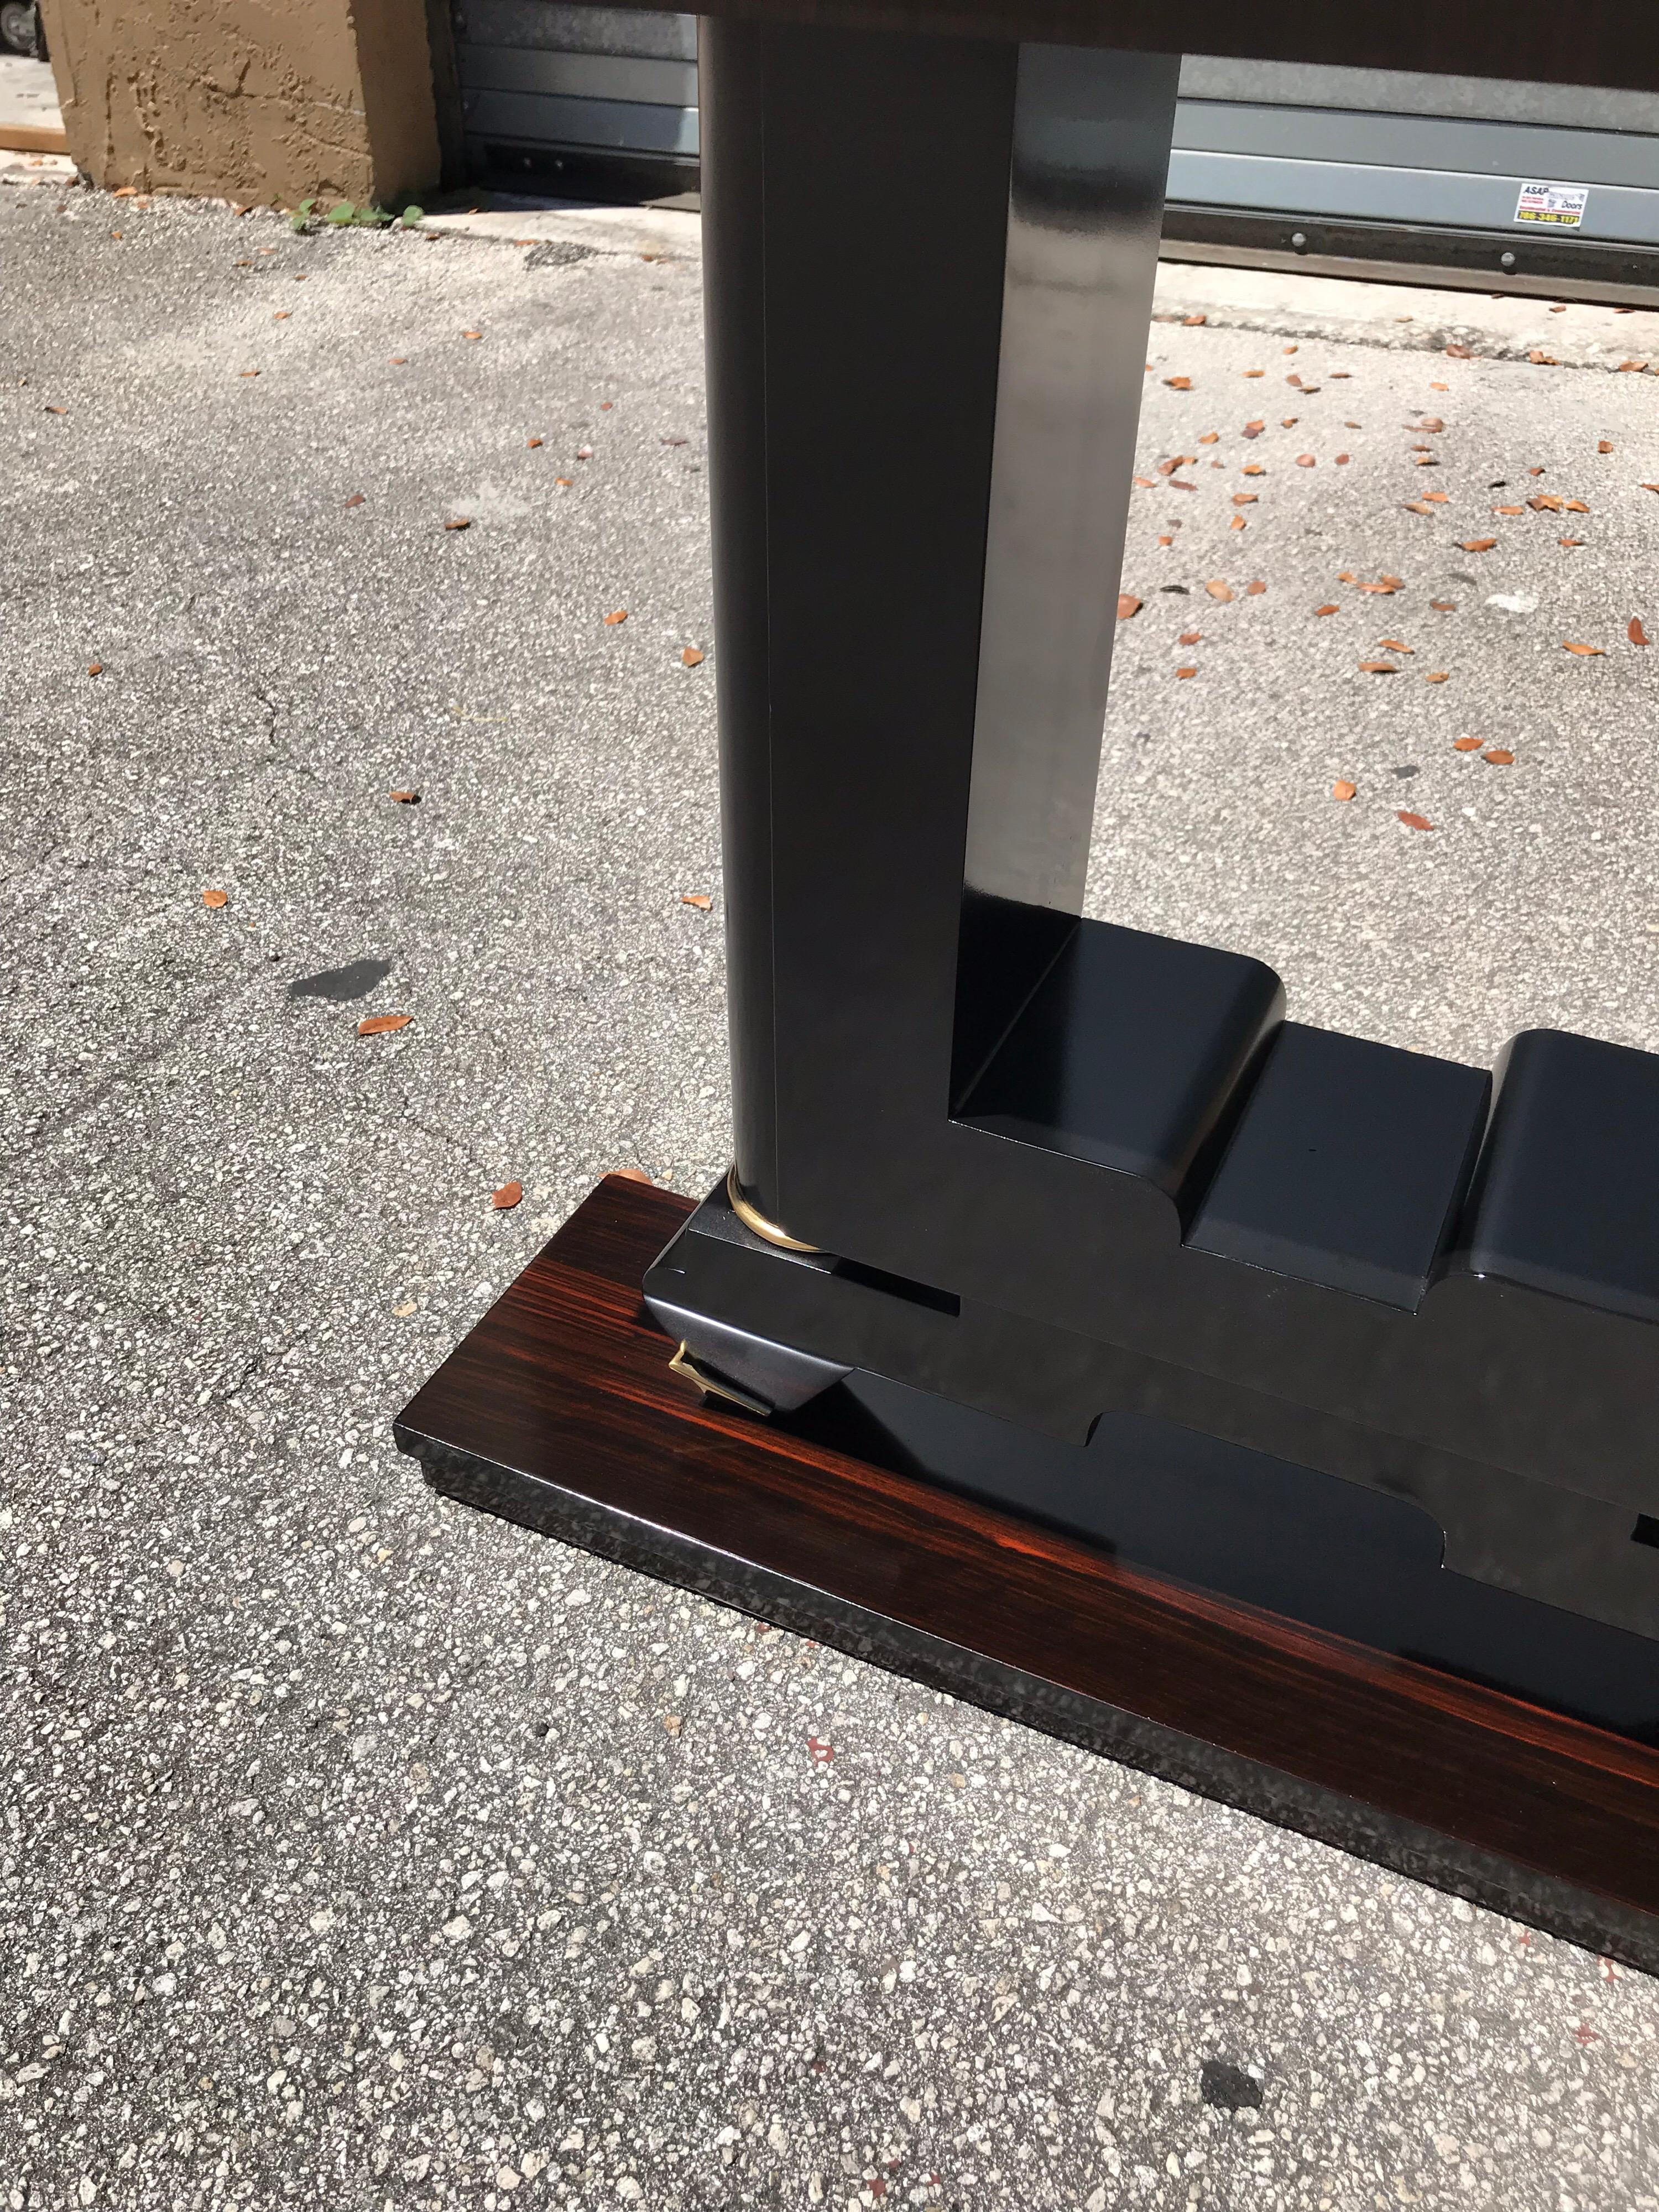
[[1561, 204]]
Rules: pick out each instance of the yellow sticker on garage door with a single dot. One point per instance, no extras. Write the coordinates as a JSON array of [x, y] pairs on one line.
[[1560, 205]]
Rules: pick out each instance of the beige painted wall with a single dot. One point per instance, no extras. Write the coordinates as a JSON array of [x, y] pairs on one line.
[[253, 100]]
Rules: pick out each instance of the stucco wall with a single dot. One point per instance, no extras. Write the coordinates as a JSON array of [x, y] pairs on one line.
[[257, 100]]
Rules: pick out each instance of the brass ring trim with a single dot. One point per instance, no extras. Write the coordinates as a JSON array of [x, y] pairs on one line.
[[758, 1223]]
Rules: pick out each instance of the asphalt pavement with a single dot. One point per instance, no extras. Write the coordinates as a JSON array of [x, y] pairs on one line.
[[361, 1852]]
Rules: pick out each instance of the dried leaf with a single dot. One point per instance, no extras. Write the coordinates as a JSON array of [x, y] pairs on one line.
[[1428, 461], [1256, 372], [1330, 608], [533, 442], [1509, 510], [94, 668], [1636, 633], [1432, 423], [564, 482], [1341, 790], [1385, 587], [471, 334], [619, 616], [405, 798], [1604, 446], [1218, 590], [1587, 652], [1544, 502], [1466, 744], [1650, 487], [356, 499], [1244, 498], [380, 1025], [1575, 506], [1477, 544], [1253, 469], [282, 315], [690, 658], [1211, 438], [1542, 359], [1570, 541], [215, 898], [1289, 422], [1186, 671], [1417, 507], [458, 522], [1127, 604], [1179, 382], [1189, 637], [55, 411], [1305, 461], [1630, 367], [629, 1174], [1444, 606], [1499, 757], [1380, 668], [1456, 352], [247, 371], [1392, 645], [701, 900], [1191, 322], [1255, 588], [1145, 483], [1439, 387], [508, 1195], [1435, 675], [1342, 461], [1413, 821]]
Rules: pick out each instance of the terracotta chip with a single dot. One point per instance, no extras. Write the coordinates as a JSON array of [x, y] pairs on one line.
[[1342, 790], [508, 1195], [1127, 604], [1413, 821], [215, 898]]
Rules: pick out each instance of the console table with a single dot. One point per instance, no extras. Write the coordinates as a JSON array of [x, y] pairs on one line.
[[1270, 1408]]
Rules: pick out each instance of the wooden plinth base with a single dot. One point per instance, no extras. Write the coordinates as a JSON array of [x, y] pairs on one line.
[[559, 1411]]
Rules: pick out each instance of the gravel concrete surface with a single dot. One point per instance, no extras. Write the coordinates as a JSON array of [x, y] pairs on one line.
[[363, 1853]]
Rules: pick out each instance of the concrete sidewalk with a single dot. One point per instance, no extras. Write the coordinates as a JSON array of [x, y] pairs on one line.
[[361, 1853]]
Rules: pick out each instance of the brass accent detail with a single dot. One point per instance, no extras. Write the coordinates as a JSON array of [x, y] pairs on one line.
[[758, 1222], [682, 1364]]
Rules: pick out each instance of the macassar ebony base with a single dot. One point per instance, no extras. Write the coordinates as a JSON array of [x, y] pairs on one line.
[[558, 1411]]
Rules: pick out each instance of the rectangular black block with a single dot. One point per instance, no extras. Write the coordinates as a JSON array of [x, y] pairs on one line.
[[1347, 1165], [1566, 1195], [1129, 1052]]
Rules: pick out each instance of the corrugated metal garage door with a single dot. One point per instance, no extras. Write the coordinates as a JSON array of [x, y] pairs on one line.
[[1268, 157], [1457, 172], [615, 86]]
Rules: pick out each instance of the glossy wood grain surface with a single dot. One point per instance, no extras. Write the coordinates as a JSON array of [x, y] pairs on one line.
[[1613, 43], [559, 1410]]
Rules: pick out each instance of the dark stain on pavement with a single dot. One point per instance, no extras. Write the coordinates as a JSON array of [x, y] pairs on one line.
[[355, 980]]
